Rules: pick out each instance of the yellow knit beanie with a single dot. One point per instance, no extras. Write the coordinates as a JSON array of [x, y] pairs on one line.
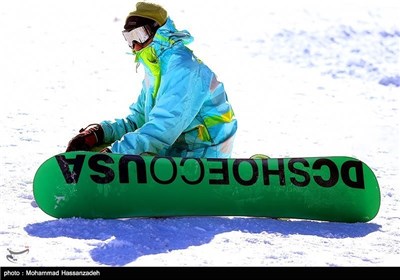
[[151, 11]]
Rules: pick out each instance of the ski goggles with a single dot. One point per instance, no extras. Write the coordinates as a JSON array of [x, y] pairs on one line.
[[139, 35]]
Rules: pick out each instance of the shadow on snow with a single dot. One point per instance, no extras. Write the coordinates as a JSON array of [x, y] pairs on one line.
[[125, 240]]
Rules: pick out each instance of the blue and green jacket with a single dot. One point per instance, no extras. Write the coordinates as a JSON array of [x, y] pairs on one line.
[[182, 110]]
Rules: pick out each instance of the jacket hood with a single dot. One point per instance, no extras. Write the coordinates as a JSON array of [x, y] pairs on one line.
[[166, 36], [169, 31]]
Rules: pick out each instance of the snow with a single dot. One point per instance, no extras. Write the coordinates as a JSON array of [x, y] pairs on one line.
[[306, 78]]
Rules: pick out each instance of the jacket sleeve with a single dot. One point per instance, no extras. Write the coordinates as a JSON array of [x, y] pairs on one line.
[[115, 130], [180, 97]]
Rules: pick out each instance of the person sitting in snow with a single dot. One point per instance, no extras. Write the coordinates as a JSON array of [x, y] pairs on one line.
[[182, 109]]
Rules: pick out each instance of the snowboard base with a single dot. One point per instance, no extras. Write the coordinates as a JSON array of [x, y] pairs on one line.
[[98, 185]]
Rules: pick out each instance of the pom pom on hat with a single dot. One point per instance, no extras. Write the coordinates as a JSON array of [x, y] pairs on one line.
[[150, 11]]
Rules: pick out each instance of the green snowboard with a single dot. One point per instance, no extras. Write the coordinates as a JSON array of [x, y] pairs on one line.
[[99, 185]]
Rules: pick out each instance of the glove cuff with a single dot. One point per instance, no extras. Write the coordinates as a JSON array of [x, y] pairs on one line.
[[97, 131], [99, 134]]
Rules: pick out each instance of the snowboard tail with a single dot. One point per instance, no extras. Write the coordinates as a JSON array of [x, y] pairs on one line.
[[98, 185]]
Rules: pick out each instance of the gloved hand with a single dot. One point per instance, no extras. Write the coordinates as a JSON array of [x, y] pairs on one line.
[[87, 138]]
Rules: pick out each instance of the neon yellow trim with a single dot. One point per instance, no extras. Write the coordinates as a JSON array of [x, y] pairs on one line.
[[164, 39], [211, 121], [203, 133], [224, 118], [150, 60]]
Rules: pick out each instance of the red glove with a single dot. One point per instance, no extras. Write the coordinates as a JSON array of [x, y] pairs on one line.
[[87, 138]]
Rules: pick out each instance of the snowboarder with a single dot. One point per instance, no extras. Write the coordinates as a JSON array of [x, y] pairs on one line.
[[182, 109]]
